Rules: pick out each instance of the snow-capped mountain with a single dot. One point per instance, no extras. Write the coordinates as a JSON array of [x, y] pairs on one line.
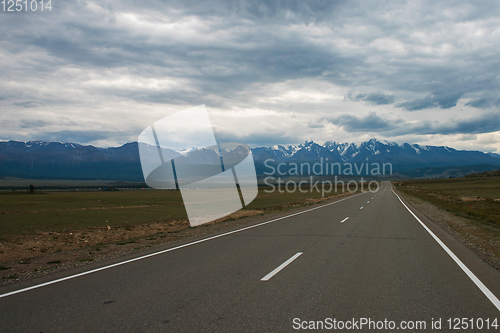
[[493, 155], [402, 156], [41, 159]]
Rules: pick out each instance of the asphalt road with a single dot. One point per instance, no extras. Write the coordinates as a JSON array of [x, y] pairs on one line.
[[378, 264]]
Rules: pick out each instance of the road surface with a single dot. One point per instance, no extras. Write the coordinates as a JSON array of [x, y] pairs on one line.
[[364, 257]]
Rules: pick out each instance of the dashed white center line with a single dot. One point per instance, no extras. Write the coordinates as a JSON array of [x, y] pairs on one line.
[[280, 267], [347, 218]]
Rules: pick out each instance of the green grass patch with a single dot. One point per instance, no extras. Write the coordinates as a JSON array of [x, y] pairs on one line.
[[24, 214], [60, 211]]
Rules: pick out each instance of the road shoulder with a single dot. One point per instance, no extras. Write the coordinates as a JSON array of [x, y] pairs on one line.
[[464, 230]]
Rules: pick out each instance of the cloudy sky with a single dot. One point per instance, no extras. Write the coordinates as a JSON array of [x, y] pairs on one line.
[[269, 72]]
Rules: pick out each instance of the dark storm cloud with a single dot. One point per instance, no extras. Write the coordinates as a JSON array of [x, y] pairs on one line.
[[444, 101], [379, 99], [376, 98], [485, 123], [484, 102], [370, 123]]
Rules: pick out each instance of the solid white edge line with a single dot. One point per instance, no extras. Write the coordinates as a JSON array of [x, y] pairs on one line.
[[168, 250], [347, 218], [280, 267], [466, 270]]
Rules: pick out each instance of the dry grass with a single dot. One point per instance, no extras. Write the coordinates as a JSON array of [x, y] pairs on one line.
[[48, 232]]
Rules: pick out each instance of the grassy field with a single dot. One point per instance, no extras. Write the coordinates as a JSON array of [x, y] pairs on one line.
[[22, 213], [476, 197]]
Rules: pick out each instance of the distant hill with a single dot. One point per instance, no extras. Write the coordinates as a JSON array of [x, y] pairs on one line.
[[493, 155], [56, 160], [494, 173]]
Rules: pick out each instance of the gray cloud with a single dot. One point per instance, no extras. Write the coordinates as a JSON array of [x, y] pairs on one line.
[[296, 11], [33, 124], [249, 53]]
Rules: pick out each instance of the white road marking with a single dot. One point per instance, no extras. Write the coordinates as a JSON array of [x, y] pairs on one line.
[[168, 250], [280, 267], [466, 270], [347, 218]]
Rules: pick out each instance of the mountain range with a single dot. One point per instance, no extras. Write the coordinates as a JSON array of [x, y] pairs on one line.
[[57, 160], [403, 157]]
